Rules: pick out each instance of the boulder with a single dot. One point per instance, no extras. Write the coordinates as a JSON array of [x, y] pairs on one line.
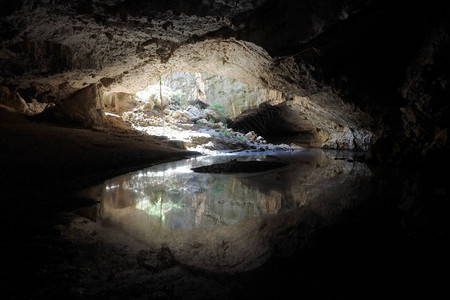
[[200, 104], [193, 113], [118, 123], [12, 99], [211, 114], [119, 102], [36, 107], [251, 135], [84, 108], [202, 121], [176, 114]]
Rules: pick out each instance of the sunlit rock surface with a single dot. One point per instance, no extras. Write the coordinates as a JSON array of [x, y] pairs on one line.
[[329, 59], [125, 48], [233, 95]]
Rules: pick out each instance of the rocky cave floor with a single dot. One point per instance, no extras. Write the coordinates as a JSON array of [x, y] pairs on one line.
[[392, 247], [194, 126]]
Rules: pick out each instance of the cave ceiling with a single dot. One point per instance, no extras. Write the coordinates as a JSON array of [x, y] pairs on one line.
[[61, 46]]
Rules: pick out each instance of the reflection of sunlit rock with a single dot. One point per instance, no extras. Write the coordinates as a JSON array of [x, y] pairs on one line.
[[159, 208], [229, 222]]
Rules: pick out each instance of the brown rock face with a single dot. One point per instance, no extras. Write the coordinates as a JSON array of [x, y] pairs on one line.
[[12, 99], [83, 108], [119, 102], [341, 65]]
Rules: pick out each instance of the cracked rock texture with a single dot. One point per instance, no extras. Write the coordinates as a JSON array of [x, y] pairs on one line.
[[361, 74]]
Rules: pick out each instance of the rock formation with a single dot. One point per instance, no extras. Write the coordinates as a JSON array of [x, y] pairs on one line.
[[369, 75], [342, 64], [83, 108]]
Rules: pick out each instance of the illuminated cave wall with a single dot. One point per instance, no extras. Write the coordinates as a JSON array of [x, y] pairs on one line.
[[361, 74]]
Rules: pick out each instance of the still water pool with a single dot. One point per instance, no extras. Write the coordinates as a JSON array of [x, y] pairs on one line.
[[229, 220], [176, 197]]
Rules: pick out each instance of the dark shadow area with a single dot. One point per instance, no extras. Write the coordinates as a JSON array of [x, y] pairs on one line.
[[277, 124], [388, 239]]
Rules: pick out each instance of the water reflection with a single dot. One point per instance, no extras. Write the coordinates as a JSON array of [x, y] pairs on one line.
[[213, 220], [181, 198]]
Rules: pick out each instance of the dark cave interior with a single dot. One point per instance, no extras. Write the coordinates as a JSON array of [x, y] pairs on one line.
[[363, 83]]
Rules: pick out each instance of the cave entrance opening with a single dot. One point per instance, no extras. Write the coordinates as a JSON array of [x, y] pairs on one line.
[[201, 112]]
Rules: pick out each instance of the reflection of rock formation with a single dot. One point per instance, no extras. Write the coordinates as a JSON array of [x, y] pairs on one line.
[[260, 213], [270, 203], [200, 208], [312, 176]]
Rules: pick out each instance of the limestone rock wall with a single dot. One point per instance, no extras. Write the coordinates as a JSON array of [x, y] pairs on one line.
[[343, 63], [233, 95]]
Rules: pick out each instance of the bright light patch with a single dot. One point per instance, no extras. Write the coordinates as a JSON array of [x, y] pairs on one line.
[[111, 187], [171, 172], [113, 115], [194, 110], [153, 92], [158, 208]]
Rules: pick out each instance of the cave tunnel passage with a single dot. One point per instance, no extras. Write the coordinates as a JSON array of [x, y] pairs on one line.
[[199, 109], [344, 74], [277, 124], [236, 74]]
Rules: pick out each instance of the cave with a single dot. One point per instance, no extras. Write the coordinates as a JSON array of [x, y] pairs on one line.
[[224, 149]]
